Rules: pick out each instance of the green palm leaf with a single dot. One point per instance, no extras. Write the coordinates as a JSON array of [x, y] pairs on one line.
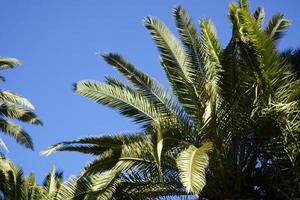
[[259, 15], [277, 26], [174, 62], [20, 113], [211, 51], [191, 42], [14, 130], [13, 98], [129, 102], [192, 163], [146, 85], [6, 62]]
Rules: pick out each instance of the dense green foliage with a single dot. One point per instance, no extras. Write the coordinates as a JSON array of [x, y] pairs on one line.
[[15, 186], [228, 130]]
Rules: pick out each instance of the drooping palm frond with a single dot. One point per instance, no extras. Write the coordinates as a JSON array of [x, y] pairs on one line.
[[14, 130], [137, 154], [19, 113]]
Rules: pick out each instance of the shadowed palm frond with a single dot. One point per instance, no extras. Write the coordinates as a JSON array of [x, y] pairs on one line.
[[15, 131], [19, 113]]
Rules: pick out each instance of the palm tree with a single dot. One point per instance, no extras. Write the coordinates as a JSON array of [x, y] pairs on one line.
[[229, 130], [15, 186], [14, 106]]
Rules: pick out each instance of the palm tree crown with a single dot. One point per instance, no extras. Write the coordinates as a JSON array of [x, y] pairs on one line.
[[229, 129]]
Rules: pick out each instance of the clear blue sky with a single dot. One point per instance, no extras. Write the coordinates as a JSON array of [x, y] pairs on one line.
[[57, 41]]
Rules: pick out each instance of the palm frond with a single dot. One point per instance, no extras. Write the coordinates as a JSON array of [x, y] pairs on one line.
[[146, 85], [127, 101], [95, 144], [192, 163], [13, 98], [174, 62], [277, 26], [211, 52], [6, 62], [98, 186], [15, 131], [3, 145], [20, 113], [191, 42], [259, 15], [244, 4]]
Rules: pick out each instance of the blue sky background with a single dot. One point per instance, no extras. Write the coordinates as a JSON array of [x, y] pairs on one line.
[[57, 42]]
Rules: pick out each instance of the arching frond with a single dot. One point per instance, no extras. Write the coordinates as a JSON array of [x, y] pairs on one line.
[[20, 113], [95, 144], [6, 62], [13, 98], [15, 131], [127, 101], [145, 84], [277, 26]]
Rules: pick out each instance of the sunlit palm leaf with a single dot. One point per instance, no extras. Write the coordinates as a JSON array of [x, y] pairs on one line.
[[128, 102], [174, 62], [6, 62], [13, 98], [277, 26], [192, 163], [191, 43]]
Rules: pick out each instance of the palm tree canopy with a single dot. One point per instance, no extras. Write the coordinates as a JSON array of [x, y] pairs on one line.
[[229, 129]]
